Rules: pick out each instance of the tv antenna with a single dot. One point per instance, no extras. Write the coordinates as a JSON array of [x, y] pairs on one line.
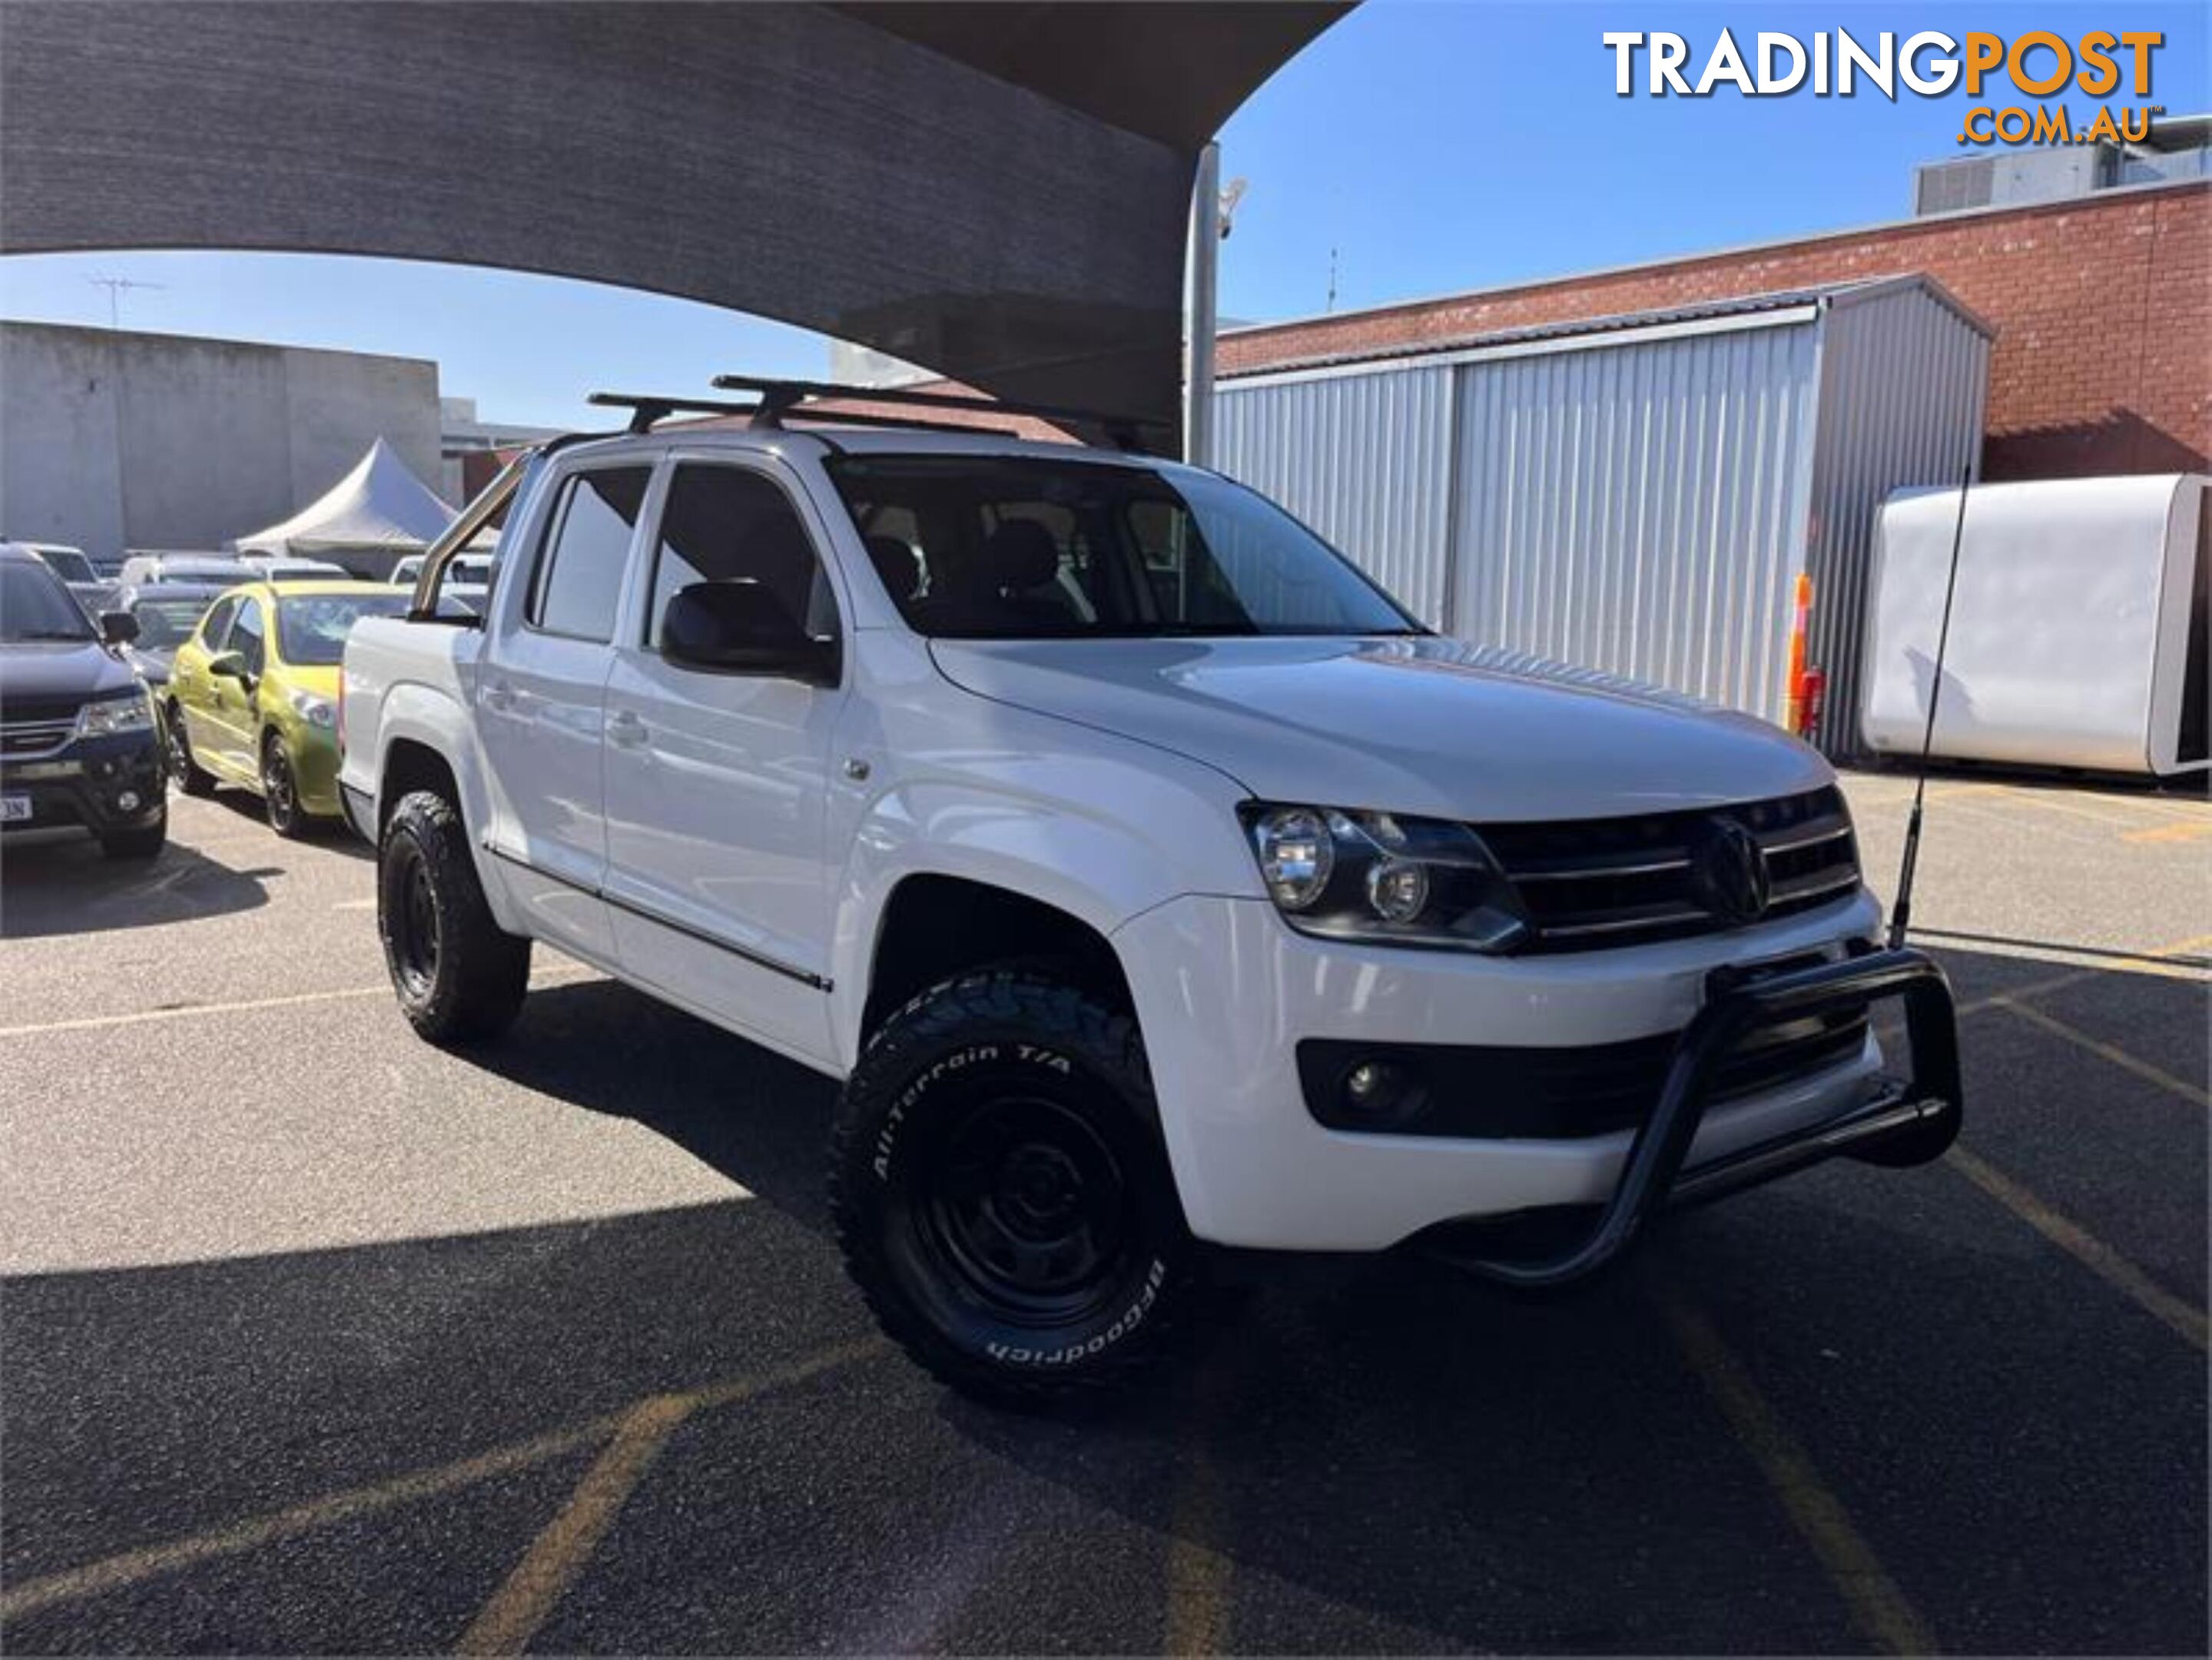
[[115, 285], [1331, 305]]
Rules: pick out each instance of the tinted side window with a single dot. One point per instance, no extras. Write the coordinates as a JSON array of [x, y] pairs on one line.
[[732, 525], [247, 636], [217, 625], [580, 574]]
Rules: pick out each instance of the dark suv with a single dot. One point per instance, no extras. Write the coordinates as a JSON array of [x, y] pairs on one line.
[[80, 745]]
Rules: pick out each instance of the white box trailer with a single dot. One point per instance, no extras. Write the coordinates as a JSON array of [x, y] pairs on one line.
[[2077, 635]]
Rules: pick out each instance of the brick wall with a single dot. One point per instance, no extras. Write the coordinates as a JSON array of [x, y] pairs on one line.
[[2103, 307]]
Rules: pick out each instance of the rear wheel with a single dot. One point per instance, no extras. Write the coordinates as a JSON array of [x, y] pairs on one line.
[[460, 975], [1001, 1194], [188, 773], [280, 790]]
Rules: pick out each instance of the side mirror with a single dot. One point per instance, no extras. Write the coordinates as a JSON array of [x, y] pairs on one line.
[[117, 628], [230, 664], [742, 628]]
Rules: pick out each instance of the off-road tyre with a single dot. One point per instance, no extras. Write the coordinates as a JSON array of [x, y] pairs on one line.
[[191, 778], [1001, 1193], [458, 975], [280, 791], [143, 843]]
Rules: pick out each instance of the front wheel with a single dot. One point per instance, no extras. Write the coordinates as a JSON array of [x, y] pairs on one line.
[[458, 973], [280, 791], [1001, 1194]]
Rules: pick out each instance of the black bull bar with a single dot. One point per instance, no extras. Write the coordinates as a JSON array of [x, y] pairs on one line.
[[1908, 1122]]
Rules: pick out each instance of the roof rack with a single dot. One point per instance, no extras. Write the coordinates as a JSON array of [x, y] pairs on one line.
[[646, 409], [781, 399]]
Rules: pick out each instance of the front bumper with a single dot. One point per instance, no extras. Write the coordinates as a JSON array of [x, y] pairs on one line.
[[81, 786], [315, 753], [1225, 992]]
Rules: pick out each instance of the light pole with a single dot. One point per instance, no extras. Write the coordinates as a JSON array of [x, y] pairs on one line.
[[1198, 323]]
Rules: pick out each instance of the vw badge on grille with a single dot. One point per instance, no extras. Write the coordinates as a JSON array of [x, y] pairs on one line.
[[1727, 871]]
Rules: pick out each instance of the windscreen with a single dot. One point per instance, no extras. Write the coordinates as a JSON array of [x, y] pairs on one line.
[[34, 605], [165, 625], [311, 627], [69, 566], [1002, 548]]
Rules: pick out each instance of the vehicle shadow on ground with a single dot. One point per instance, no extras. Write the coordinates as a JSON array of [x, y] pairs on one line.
[[1374, 1455], [326, 835], [69, 887]]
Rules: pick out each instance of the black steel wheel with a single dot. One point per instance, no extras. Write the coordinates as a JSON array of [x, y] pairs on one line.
[[458, 975], [1001, 1193], [280, 791]]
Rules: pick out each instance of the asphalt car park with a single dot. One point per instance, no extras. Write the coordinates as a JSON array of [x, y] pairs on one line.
[[313, 1337]]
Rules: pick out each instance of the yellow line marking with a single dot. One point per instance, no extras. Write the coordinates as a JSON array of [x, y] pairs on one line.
[[243, 1006], [1198, 1574], [2043, 799], [520, 1607], [1880, 1608], [130, 1567], [2181, 830], [116, 1572], [508, 1622], [2119, 1057], [2092, 1253], [2059, 981]]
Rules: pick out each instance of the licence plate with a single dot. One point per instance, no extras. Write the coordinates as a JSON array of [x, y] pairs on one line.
[[14, 809]]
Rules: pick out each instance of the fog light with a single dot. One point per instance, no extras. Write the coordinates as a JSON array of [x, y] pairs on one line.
[[1383, 1093], [127, 801]]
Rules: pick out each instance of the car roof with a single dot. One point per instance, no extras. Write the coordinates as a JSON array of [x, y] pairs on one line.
[[289, 587], [174, 590]]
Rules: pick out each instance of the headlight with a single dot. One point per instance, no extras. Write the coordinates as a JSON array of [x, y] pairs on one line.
[[123, 711], [315, 711], [1382, 878]]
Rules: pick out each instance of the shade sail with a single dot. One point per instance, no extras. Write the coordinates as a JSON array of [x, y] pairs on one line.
[[999, 193], [380, 506]]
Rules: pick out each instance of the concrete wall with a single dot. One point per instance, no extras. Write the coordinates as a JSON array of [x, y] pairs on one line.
[[111, 441]]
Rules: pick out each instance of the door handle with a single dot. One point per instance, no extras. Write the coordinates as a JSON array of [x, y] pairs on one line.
[[500, 696], [625, 729]]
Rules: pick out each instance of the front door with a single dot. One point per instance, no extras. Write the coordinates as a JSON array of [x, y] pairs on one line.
[[542, 704], [717, 781], [192, 689]]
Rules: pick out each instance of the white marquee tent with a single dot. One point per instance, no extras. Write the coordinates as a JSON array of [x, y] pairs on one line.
[[367, 522]]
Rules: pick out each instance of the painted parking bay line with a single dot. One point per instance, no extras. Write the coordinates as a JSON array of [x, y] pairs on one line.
[[2120, 1057], [1879, 1608], [2085, 1247], [130, 1567], [559, 975], [512, 1617]]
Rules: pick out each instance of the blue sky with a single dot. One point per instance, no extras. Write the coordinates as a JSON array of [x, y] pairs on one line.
[[1438, 146]]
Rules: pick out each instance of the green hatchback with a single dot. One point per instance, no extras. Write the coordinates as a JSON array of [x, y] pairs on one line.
[[253, 695]]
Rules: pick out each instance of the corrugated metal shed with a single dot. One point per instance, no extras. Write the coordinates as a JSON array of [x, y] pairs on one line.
[[1634, 493]]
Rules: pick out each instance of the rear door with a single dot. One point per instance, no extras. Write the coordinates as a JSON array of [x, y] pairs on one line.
[[718, 781], [542, 704]]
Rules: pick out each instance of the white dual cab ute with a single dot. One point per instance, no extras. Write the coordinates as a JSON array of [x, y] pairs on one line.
[[1151, 880]]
